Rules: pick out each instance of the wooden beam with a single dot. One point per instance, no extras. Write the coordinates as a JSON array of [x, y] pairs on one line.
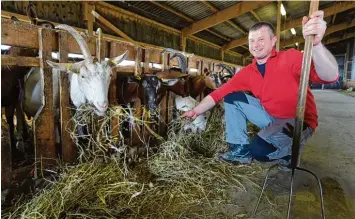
[[337, 39], [138, 67], [337, 8], [210, 6], [214, 10], [236, 26], [334, 9], [11, 28], [222, 54], [7, 60], [183, 42], [112, 27], [330, 30], [43, 122], [245, 47], [256, 15], [68, 146], [222, 16], [170, 9], [146, 20], [333, 18], [90, 19], [278, 25], [235, 43], [217, 34], [12, 34]]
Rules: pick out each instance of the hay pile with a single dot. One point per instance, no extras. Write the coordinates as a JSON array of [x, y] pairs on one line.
[[182, 180]]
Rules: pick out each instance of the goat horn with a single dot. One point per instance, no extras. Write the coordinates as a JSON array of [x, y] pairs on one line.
[[83, 46]]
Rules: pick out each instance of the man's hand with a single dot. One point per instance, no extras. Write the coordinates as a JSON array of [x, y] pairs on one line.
[[315, 25], [192, 114]]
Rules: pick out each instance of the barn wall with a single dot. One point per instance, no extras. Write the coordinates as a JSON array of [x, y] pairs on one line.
[[228, 57], [71, 13]]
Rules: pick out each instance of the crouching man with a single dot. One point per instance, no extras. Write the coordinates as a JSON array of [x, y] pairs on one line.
[[273, 77]]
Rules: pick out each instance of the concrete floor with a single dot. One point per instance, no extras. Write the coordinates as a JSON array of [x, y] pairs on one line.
[[330, 153]]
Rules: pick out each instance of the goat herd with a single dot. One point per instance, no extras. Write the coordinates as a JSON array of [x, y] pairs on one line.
[[90, 80]]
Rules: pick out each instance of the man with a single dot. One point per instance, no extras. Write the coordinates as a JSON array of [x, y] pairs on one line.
[[273, 77]]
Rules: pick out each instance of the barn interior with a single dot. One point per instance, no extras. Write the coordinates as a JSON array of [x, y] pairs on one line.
[[161, 167]]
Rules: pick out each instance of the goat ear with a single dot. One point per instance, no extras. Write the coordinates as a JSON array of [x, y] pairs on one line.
[[67, 67], [117, 60]]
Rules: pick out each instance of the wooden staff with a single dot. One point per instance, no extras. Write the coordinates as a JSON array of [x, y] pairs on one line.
[[302, 93]]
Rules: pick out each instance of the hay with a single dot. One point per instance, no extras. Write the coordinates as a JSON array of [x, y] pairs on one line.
[[182, 180]]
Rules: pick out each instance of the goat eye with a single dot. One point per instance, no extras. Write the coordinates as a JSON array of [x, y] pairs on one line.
[[82, 76]]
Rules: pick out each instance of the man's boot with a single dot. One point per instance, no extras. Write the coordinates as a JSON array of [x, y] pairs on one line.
[[238, 153]]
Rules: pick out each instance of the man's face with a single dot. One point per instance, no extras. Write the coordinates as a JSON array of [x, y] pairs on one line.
[[261, 43]]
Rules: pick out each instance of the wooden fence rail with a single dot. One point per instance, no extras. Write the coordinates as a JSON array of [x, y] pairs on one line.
[[48, 41]]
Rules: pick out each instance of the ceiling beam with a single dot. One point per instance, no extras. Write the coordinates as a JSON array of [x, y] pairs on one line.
[[215, 10], [330, 30], [255, 15], [337, 8], [245, 47], [333, 18], [187, 18], [278, 25], [334, 9], [222, 16], [337, 39]]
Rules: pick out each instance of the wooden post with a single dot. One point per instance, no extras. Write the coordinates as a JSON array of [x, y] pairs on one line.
[[164, 60], [113, 93], [90, 18], [183, 42], [146, 61], [222, 54], [43, 122], [163, 115], [6, 155], [138, 60], [68, 146], [278, 25]]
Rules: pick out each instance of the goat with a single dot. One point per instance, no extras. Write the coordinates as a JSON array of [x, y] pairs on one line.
[[89, 79], [220, 77]]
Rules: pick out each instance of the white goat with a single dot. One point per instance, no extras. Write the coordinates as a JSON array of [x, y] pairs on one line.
[[89, 80], [186, 104]]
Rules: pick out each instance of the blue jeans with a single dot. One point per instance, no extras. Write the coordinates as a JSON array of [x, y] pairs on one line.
[[272, 142]]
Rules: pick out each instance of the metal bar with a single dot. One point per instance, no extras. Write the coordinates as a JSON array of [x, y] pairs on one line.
[[290, 195], [264, 186], [320, 189]]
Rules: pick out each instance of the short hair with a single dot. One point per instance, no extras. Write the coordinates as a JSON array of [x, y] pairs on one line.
[[261, 24]]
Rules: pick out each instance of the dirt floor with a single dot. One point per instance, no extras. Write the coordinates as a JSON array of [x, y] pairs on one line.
[[330, 153]]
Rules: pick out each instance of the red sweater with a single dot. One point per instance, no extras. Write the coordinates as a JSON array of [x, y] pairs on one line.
[[278, 90]]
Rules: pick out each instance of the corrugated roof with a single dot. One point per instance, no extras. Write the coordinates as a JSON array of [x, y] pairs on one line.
[[197, 10], [194, 9], [223, 4], [151, 11], [227, 30]]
